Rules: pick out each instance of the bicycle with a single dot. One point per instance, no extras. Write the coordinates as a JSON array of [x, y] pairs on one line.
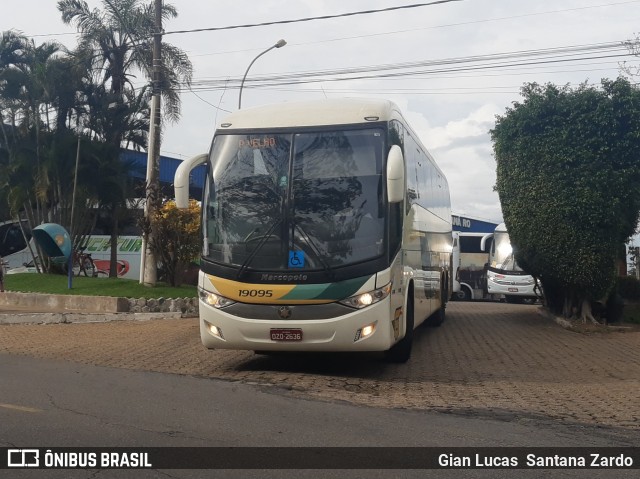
[[83, 263]]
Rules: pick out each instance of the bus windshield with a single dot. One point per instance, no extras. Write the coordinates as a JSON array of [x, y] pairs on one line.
[[295, 201], [503, 256]]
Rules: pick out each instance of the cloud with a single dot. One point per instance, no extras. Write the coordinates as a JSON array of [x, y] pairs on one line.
[[475, 125]]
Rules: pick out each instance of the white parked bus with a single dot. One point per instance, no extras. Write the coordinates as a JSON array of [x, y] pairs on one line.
[[326, 227], [504, 275], [470, 260], [18, 257], [14, 248]]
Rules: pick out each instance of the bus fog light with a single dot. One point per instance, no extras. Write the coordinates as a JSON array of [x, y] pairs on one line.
[[365, 331], [216, 331]]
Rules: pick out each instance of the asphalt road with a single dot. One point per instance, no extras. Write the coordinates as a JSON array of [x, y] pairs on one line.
[[492, 375], [51, 403]]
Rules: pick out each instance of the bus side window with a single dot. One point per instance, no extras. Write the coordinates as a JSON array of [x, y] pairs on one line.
[[12, 240]]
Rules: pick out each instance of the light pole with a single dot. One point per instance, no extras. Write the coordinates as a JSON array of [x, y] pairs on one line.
[[279, 44]]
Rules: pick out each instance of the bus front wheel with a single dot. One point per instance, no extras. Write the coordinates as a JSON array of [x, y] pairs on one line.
[[401, 351]]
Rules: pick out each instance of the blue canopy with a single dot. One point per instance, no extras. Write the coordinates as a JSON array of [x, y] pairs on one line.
[[53, 239]]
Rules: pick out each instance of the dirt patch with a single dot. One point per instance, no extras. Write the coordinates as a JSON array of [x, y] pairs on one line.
[[580, 327], [591, 328]]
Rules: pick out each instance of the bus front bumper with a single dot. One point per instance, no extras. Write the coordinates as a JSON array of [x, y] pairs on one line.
[[367, 329]]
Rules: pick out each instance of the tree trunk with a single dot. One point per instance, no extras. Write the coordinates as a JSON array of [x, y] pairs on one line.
[[113, 259], [586, 313]]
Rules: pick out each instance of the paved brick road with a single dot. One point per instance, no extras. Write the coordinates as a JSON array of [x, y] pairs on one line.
[[488, 358]]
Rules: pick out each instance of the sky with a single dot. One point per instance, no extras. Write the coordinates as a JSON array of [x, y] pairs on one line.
[[450, 101]]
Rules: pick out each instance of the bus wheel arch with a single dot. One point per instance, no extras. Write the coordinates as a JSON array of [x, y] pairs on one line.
[[438, 317], [401, 351], [444, 282], [464, 294]]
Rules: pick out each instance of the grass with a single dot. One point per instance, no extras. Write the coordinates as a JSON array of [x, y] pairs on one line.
[[118, 287]]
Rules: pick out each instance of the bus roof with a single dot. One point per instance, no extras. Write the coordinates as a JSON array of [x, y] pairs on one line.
[[339, 111]]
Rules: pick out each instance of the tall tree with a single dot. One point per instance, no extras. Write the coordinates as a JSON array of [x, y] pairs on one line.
[[12, 46], [42, 95], [25, 98], [119, 38], [568, 177]]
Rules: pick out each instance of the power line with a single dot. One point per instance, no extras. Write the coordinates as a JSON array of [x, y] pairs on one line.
[[382, 33], [471, 22], [308, 19], [504, 60]]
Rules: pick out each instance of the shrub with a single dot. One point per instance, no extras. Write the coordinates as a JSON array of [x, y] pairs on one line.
[[629, 288], [177, 239]]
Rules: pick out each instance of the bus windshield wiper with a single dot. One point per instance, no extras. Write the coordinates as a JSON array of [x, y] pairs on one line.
[[316, 251], [263, 240]]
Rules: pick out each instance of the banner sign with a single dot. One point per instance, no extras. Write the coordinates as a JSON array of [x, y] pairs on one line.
[[320, 458]]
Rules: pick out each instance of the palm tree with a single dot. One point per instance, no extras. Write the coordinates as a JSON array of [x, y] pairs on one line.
[[119, 38], [12, 48], [22, 93]]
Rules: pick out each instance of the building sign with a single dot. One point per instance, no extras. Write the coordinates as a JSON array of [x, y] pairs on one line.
[[461, 223]]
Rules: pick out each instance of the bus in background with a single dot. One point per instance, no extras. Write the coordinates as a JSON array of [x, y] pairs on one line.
[[504, 275], [18, 257], [326, 227], [129, 251], [470, 259], [14, 247]]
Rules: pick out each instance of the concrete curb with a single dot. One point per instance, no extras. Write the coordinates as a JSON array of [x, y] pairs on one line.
[[32, 308], [58, 318], [64, 302]]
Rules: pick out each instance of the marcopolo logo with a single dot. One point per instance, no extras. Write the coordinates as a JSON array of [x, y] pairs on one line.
[[23, 458]]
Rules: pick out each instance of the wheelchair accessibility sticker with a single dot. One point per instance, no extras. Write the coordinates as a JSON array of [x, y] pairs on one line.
[[296, 259]]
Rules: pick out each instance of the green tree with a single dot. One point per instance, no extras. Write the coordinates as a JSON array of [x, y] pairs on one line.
[[568, 177], [118, 38], [44, 96]]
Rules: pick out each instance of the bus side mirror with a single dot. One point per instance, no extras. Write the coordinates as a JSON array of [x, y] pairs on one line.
[[395, 175], [181, 179]]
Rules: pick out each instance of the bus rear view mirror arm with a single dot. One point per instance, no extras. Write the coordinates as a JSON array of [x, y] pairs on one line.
[[181, 179], [395, 175]]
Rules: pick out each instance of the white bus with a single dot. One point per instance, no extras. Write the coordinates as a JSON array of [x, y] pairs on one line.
[[18, 257], [504, 275], [14, 248], [470, 260], [326, 227]]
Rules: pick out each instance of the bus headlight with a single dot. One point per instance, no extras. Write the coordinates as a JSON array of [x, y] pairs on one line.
[[366, 299], [213, 299]]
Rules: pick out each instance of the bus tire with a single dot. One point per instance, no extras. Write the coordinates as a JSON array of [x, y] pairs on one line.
[[466, 293], [401, 351], [437, 318]]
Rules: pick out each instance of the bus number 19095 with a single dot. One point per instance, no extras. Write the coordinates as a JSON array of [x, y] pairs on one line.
[[255, 293]]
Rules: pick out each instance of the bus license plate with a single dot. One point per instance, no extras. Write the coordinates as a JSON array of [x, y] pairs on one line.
[[513, 290], [288, 335]]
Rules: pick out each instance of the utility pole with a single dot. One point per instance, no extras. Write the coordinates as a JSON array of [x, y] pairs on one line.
[[148, 263]]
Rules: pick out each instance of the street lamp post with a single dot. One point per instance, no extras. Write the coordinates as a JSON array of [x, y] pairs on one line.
[[279, 44]]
